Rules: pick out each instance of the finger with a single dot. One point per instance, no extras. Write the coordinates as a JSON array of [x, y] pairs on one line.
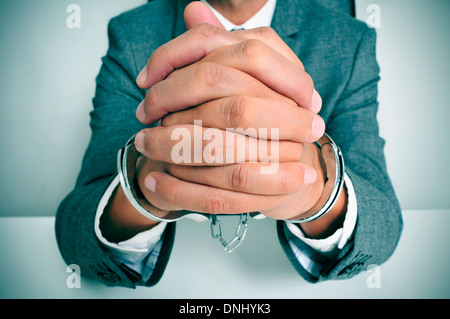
[[197, 84], [248, 177], [199, 41], [196, 145], [170, 193], [197, 12], [272, 39], [253, 115], [186, 49], [272, 68]]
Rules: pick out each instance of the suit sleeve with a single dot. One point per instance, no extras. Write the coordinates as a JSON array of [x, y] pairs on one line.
[[113, 122], [354, 127]]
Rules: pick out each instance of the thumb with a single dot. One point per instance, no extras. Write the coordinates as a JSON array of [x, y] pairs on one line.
[[198, 12]]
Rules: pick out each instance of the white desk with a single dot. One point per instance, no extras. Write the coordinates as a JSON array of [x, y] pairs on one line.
[[31, 266]]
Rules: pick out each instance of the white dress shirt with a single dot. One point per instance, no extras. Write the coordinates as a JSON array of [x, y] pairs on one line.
[[141, 251]]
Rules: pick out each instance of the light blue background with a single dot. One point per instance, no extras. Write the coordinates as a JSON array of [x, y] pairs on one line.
[[47, 83]]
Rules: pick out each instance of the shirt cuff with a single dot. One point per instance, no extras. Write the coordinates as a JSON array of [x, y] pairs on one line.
[[329, 246], [135, 247]]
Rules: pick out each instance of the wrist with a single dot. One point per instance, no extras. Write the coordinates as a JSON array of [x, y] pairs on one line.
[[328, 212], [120, 221], [330, 222], [326, 225]]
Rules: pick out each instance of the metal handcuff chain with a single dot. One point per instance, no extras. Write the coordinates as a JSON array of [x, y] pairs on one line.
[[126, 163], [241, 230]]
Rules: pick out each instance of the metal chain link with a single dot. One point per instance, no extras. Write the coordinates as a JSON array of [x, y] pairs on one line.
[[241, 230]]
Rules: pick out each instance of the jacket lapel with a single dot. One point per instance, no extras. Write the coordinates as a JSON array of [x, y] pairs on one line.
[[287, 20]]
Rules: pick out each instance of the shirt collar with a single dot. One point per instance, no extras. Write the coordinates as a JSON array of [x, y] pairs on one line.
[[263, 18]]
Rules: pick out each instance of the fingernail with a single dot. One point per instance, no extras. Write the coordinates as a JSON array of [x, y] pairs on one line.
[[310, 176], [318, 127], [139, 141], [140, 113], [316, 103], [142, 76], [150, 183]]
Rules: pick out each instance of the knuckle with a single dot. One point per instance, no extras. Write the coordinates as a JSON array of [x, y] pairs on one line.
[[251, 49], [209, 74], [205, 31], [235, 112], [213, 136], [240, 178], [215, 203], [170, 196], [151, 97], [267, 32], [153, 145]]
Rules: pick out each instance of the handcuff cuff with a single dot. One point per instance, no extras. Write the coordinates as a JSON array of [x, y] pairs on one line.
[[334, 179]]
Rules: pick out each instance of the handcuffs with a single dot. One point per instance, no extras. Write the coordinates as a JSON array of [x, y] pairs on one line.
[[334, 179]]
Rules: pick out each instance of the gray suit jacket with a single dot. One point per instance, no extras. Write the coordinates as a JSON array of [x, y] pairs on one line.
[[337, 51]]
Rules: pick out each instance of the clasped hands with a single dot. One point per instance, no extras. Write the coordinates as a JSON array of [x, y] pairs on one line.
[[230, 80]]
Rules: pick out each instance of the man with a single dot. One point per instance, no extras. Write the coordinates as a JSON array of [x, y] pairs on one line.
[[163, 66]]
